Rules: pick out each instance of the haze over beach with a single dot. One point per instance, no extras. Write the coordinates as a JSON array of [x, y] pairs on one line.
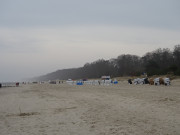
[[38, 37], [89, 67]]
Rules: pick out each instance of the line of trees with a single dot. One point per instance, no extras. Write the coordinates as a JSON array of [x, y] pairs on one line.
[[158, 62]]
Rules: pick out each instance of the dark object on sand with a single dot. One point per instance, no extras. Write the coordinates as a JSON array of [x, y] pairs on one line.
[[129, 81], [0, 85]]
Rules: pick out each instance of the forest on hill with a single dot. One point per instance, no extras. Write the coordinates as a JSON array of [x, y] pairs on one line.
[[158, 62]]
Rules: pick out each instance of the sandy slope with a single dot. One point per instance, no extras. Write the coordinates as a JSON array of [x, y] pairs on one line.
[[90, 110]]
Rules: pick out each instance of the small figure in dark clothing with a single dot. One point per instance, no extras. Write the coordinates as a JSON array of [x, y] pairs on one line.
[[0, 85], [129, 81], [146, 81], [99, 82], [17, 84]]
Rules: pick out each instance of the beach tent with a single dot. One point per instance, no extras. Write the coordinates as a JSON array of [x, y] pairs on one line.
[[79, 83], [138, 81], [166, 81], [156, 81]]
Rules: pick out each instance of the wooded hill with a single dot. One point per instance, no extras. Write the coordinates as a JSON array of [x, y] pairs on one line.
[[158, 62]]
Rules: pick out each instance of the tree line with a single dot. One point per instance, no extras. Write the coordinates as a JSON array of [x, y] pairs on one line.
[[158, 62]]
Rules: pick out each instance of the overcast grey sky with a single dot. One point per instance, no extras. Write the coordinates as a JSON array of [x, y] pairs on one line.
[[41, 36]]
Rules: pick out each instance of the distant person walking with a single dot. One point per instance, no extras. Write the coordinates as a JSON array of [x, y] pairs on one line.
[[129, 81]]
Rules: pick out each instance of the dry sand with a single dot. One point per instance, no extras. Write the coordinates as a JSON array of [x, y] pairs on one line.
[[61, 109]]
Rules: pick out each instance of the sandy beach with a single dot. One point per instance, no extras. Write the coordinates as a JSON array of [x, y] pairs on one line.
[[62, 109]]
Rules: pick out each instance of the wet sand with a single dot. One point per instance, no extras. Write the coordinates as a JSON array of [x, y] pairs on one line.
[[61, 109]]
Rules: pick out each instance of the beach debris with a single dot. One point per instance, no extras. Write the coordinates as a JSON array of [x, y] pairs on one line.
[[29, 114], [167, 99]]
